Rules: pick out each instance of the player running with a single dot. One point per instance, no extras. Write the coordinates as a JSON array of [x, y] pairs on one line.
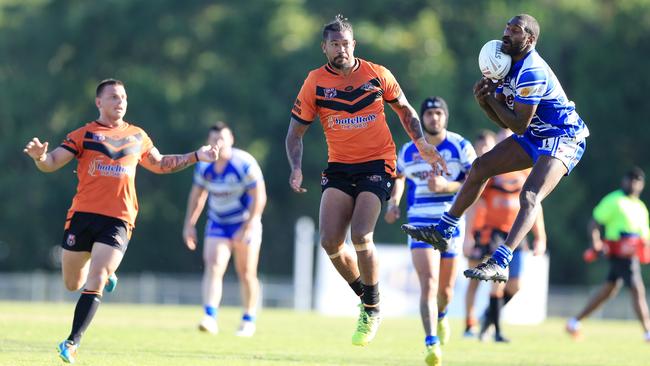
[[237, 196], [99, 223], [348, 94], [550, 138], [428, 197], [619, 227]]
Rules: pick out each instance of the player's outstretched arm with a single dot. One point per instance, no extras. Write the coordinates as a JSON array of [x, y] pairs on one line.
[[411, 123], [164, 164], [47, 162], [293, 144], [195, 203]]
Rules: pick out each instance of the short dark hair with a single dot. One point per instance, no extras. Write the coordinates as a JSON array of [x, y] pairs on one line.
[[219, 126], [104, 83], [531, 25], [338, 24], [635, 173]]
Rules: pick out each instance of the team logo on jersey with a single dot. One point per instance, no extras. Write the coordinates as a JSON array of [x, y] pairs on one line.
[[71, 240], [98, 137], [375, 178], [368, 87], [330, 93], [349, 123], [98, 168]]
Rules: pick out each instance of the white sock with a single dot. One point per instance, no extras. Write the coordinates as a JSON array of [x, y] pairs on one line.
[[573, 324]]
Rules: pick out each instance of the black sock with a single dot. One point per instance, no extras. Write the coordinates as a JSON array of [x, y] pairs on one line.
[[507, 297], [84, 312], [357, 286], [495, 310], [370, 298]]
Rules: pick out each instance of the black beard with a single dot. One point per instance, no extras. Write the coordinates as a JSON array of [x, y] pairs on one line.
[[432, 133]]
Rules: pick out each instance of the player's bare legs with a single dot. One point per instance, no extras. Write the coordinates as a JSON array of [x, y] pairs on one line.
[[607, 291], [445, 293], [74, 268], [470, 297], [216, 254], [544, 177], [507, 156], [364, 218], [425, 262], [447, 282], [104, 261], [246, 260], [335, 214], [637, 289]]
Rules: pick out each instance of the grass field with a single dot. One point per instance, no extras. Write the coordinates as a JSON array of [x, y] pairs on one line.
[[166, 335]]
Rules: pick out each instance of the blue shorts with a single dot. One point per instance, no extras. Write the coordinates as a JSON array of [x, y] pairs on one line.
[[215, 229], [455, 243], [567, 149], [516, 263]]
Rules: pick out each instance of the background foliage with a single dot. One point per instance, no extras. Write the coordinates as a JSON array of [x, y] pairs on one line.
[[189, 63]]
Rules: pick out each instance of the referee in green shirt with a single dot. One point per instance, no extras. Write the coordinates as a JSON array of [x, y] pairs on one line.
[[619, 227]]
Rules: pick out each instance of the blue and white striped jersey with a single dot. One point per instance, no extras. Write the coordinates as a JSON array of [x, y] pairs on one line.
[[424, 206], [531, 81], [228, 201]]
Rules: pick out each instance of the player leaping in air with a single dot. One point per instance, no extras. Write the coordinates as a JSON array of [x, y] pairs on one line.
[[549, 137]]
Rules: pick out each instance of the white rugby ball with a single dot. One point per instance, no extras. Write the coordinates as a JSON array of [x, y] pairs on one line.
[[493, 63]]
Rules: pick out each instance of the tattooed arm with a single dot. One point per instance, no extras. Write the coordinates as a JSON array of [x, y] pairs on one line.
[[411, 123], [293, 144], [164, 164]]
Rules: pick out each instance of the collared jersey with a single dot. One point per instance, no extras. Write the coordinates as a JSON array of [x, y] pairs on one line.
[[531, 81], [106, 164], [422, 204], [228, 188], [622, 214], [351, 111]]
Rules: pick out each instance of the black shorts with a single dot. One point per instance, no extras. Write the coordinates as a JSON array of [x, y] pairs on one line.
[[483, 250], [371, 176], [85, 229], [627, 269]]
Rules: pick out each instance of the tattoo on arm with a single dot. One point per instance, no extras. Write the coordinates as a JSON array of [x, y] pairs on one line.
[[408, 117], [172, 163], [294, 144]]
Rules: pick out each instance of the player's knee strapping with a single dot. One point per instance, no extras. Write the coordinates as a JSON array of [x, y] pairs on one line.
[[363, 247], [338, 253]]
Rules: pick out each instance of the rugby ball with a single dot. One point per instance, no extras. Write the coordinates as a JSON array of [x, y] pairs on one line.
[[493, 63]]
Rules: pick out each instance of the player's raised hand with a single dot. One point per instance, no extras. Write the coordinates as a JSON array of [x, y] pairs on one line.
[[295, 181], [208, 153], [36, 150], [189, 236], [431, 155]]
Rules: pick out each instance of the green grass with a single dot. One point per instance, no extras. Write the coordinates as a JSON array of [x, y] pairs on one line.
[[166, 335]]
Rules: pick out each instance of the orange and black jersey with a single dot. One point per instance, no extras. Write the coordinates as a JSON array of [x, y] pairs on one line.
[[106, 164], [351, 110]]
